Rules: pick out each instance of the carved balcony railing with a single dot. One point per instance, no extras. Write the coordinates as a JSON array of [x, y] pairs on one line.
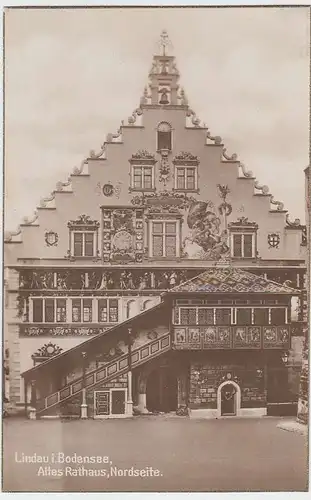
[[106, 373]]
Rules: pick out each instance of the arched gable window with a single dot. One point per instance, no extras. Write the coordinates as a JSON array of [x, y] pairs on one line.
[[164, 136]]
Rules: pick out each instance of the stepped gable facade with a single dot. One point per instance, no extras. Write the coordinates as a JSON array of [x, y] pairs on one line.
[[163, 272]]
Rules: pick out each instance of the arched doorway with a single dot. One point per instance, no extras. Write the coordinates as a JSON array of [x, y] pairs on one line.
[[228, 399], [161, 390]]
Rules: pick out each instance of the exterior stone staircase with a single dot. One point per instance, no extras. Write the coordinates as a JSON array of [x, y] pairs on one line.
[[103, 374]]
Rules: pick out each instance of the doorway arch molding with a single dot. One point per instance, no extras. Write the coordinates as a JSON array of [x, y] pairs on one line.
[[237, 396]]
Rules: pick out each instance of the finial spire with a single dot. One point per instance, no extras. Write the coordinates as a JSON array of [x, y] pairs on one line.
[[164, 41]]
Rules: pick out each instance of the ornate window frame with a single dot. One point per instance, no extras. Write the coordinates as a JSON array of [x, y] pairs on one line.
[[185, 160], [164, 220], [142, 159], [83, 225]]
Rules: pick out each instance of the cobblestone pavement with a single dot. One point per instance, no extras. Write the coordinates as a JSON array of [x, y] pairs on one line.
[[170, 454]]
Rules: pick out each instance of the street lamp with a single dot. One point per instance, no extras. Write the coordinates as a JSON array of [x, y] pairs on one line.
[[129, 374], [83, 404]]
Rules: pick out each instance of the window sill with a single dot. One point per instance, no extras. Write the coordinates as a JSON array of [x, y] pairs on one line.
[[141, 190], [92, 257], [244, 258], [176, 190]]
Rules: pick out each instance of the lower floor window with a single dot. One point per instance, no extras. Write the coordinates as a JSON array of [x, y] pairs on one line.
[[49, 310], [227, 316], [75, 310], [278, 316], [108, 311], [223, 316], [82, 310], [244, 316], [261, 316]]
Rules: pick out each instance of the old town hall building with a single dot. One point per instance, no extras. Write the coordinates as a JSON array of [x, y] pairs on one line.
[[163, 276]]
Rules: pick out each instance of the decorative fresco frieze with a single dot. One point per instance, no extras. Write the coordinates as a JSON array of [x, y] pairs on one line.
[[231, 337], [275, 336], [60, 331], [74, 279], [61, 281]]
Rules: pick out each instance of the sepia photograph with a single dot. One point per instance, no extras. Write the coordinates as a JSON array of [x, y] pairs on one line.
[[156, 255]]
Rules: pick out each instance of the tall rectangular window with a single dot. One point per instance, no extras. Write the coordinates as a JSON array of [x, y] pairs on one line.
[[49, 310], [188, 316], [164, 239], [142, 177], [243, 245], [78, 244], [83, 244], [37, 314], [88, 244], [102, 311], [261, 316], [61, 313], [108, 310], [185, 178], [278, 316], [244, 316], [164, 136], [113, 310], [76, 310], [248, 245], [223, 316], [205, 316], [87, 310]]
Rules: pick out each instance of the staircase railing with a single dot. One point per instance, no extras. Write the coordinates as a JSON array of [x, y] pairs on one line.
[[105, 373]]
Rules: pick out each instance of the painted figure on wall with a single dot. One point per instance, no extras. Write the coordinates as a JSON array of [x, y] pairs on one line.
[[207, 239]]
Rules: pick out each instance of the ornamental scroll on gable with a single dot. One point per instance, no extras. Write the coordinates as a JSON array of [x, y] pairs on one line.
[[123, 240]]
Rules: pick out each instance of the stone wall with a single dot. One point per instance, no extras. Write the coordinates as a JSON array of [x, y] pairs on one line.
[[207, 375]]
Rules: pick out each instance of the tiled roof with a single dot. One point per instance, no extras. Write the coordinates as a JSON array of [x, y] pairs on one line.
[[231, 280]]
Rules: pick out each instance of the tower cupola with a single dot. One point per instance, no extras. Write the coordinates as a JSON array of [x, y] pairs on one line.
[[164, 76]]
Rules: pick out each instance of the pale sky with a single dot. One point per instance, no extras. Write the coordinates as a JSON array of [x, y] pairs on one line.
[[73, 75]]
